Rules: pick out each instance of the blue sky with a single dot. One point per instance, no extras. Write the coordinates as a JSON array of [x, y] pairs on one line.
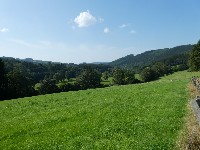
[[94, 30]]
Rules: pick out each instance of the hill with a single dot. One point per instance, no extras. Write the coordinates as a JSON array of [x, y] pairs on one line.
[[142, 116], [149, 57]]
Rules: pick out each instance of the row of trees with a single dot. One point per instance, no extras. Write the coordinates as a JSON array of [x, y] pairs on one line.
[[18, 78], [194, 60], [89, 78], [172, 56], [21, 79], [15, 84], [19, 83], [155, 71], [176, 63]]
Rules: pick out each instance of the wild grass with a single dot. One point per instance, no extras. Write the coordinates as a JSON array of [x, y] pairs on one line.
[[190, 135], [142, 116]]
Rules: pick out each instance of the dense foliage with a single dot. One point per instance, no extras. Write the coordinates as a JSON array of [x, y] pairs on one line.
[[21, 78], [3, 81], [89, 78], [123, 76], [47, 86], [147, 58], [155, 71], [194, 60], [148, 74]]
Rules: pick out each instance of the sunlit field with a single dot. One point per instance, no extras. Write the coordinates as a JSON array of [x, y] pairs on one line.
[[141, 116]]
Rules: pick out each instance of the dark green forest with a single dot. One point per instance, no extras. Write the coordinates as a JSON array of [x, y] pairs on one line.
[[172, 56], [194, 59], [19, 78], [24, 78]]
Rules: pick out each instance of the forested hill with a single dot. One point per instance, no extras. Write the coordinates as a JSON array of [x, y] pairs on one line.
[[148, 57]]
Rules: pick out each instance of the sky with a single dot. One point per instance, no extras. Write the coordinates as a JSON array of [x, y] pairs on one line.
[[77, 31]]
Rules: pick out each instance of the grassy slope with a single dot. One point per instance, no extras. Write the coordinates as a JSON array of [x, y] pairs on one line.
[[143, 116]]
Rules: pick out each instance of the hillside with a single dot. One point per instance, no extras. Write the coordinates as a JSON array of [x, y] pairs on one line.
[[148, 57], [142, 116]]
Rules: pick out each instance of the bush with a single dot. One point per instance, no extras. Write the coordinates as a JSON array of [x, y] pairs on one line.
[[89, 78], [148, 74]]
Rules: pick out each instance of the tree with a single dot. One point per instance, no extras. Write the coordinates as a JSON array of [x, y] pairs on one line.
[[118, 76], [105, 75], [122, 76], [89, 78], [148, 74], [161, 69], [3, 81], [65, 86], [129, 77], [194, 59], [48, 86], [19, 84], [59, 76]]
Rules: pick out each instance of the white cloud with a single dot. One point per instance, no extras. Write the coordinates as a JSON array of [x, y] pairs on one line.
[[124, 26], [85, 19], [132, 32], [106, 30], [4, 30]]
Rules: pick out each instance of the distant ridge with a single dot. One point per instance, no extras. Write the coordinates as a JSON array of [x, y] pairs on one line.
[[148, 57], [130, 61], [30, 60], [98, 63]]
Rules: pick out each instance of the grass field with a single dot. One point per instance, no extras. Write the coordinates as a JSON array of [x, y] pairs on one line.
[[142, 116]]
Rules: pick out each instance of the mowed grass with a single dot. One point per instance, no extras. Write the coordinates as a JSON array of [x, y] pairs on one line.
[[142, 116]]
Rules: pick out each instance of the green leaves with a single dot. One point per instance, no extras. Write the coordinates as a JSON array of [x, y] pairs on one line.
[[47, 86], [194, 60], [148, 74], [123, 76], [89, 78]]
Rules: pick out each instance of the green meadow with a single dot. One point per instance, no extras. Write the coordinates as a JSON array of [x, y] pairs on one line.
[[140, 116]]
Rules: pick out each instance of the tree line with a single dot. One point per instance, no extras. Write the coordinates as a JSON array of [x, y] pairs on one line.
[[186, 61], [21, 79], [147, 58]]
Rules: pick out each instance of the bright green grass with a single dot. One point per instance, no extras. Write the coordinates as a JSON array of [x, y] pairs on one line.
[[143, 116]]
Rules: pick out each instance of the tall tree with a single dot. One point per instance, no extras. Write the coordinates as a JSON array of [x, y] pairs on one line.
[[89, 78], [3, 81], [47, 86], [19, 84], [129, 77], [118, 76], [194, 60], [161, 69], [148, 74], [123, 76]]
